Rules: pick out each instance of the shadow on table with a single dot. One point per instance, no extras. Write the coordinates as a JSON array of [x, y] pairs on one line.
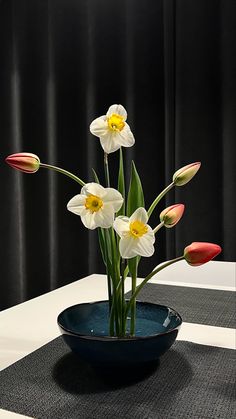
[[77, 377]]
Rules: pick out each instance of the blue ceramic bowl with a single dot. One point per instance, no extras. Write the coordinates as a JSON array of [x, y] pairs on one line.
[[84, 328]]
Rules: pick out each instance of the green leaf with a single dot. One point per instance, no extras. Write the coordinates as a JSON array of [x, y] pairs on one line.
[[135, 195], [133, 266], [102, 245], [121, 183], [135, 200], [95, 176], [105, 247]]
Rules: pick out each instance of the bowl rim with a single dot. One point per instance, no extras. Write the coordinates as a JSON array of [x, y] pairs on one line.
[[117, 338]]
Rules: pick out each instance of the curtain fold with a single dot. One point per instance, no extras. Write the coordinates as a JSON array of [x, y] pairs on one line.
[[199, 117], [228, 89], [172, 65], [169, 26], [51, 140]]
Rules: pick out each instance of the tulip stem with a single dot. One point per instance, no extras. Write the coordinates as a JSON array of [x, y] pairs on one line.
[[159, 197], [64, 172], [158, 227], [155, 271]]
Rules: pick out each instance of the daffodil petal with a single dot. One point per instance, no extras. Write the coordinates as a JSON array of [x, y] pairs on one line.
[[127, 247], [150, 235], [99, 126], [110, 142], [144, 245], [105, 217], [88, 219], [93, 189], [121, 225], [102, 216], [114, 198], [140, 214], [131, 246], [118, 110], [125, 137], [76, 204]]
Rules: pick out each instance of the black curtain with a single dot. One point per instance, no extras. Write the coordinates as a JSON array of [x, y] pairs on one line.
[[172, 64]]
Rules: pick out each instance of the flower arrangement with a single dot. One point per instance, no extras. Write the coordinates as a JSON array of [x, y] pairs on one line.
[[121, 219]]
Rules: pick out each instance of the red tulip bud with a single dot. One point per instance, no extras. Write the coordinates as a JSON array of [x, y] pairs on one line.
[[186, 173], [199, 253], [171, 215], [25, 162]]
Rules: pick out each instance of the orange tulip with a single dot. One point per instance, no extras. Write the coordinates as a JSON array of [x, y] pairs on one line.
[[186, 173], [199, 253], [171, 215], [25, 162]]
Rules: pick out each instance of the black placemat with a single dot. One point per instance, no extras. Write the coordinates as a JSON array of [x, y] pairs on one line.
[[195, 305], [191, 381]]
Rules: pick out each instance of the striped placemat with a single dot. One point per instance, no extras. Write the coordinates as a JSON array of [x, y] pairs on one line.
[[195, 305], [191, 381]]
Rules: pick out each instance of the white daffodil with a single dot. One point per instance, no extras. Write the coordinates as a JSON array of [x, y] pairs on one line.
[[96, 205], [112, 129], [136, 236]]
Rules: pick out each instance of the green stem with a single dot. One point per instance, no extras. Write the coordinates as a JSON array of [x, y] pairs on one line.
[[64, 172], [159, 197], [116, 277], [108, 272], [113, 295], [158, 227], [158, 269], [109, 289], [106, 170], [122, 279], [121, 183], [114, 315], [119, 291], [111, 281], [122, 296], [133, 305], [133, 268], [111, 320], [126, 271]]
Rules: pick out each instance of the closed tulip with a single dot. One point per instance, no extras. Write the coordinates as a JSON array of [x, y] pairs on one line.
[[171, 215], [198, 253], [25, 162], [186, 173]]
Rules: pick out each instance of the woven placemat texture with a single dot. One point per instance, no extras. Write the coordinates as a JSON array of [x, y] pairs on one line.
[[191, 381], [195, 305]]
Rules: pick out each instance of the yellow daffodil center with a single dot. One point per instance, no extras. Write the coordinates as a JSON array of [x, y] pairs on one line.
[[116, 122], [93, 203], [137, 228]]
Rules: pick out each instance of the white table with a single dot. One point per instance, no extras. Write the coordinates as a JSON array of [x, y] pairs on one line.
[[19, 336]]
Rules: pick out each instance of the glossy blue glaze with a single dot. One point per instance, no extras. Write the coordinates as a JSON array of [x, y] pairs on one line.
[[85, 329]]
